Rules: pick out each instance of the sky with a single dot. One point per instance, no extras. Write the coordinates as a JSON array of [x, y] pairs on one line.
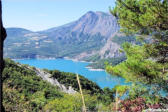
[[39, 15]]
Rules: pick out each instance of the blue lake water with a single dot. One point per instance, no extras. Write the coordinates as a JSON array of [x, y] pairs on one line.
[[102, 78]]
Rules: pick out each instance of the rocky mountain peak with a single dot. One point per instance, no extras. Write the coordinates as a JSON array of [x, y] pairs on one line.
[[87, 34], [90, 13], [97, 22]]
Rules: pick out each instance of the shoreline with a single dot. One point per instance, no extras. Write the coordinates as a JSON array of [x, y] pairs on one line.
[[75, 60], [34, 58], [65, 58]]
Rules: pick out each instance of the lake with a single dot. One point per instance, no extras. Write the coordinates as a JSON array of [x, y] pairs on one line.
[[102, 78]]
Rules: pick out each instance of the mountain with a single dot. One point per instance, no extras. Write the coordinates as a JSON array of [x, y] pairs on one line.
[[88, 36], [91, 23]]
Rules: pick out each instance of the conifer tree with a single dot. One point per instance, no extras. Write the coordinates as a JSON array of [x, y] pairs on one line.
[[146, 64]]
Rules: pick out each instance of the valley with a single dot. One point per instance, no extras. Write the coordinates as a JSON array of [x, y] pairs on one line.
[[64, 56], [79, 40], [101, 78], [93, 37]]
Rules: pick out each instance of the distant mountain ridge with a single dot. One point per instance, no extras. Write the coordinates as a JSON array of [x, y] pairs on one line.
[[88, 35], [91, 23]]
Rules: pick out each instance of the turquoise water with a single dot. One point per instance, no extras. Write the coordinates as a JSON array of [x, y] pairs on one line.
[[102, 78]]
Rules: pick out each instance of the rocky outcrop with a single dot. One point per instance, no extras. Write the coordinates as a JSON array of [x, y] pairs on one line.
[[97, 22], [46, 76], [110, 49]]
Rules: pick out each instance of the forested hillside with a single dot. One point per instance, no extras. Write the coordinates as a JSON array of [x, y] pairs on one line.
[[69, 79], [23, 90]]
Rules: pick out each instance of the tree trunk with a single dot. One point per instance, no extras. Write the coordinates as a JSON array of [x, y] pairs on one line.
[[2, 38]]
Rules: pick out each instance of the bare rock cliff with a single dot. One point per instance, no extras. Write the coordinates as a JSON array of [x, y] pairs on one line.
[[46, 76]]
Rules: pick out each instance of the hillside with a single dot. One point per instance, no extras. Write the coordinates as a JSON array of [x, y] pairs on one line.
[[112, 51], [24, 90], [80, 39]]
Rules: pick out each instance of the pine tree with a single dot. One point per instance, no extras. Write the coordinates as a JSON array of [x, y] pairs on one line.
[[146, 64], [147, 18]]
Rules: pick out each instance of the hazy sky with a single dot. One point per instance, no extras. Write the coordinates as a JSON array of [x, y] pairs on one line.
[[43, 14]]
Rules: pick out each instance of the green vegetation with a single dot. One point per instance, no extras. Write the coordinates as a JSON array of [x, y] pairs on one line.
[[93, 58], [146, 65], [69, 79], [18, 46], [120, 39], [23, 90], [101, 64]]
